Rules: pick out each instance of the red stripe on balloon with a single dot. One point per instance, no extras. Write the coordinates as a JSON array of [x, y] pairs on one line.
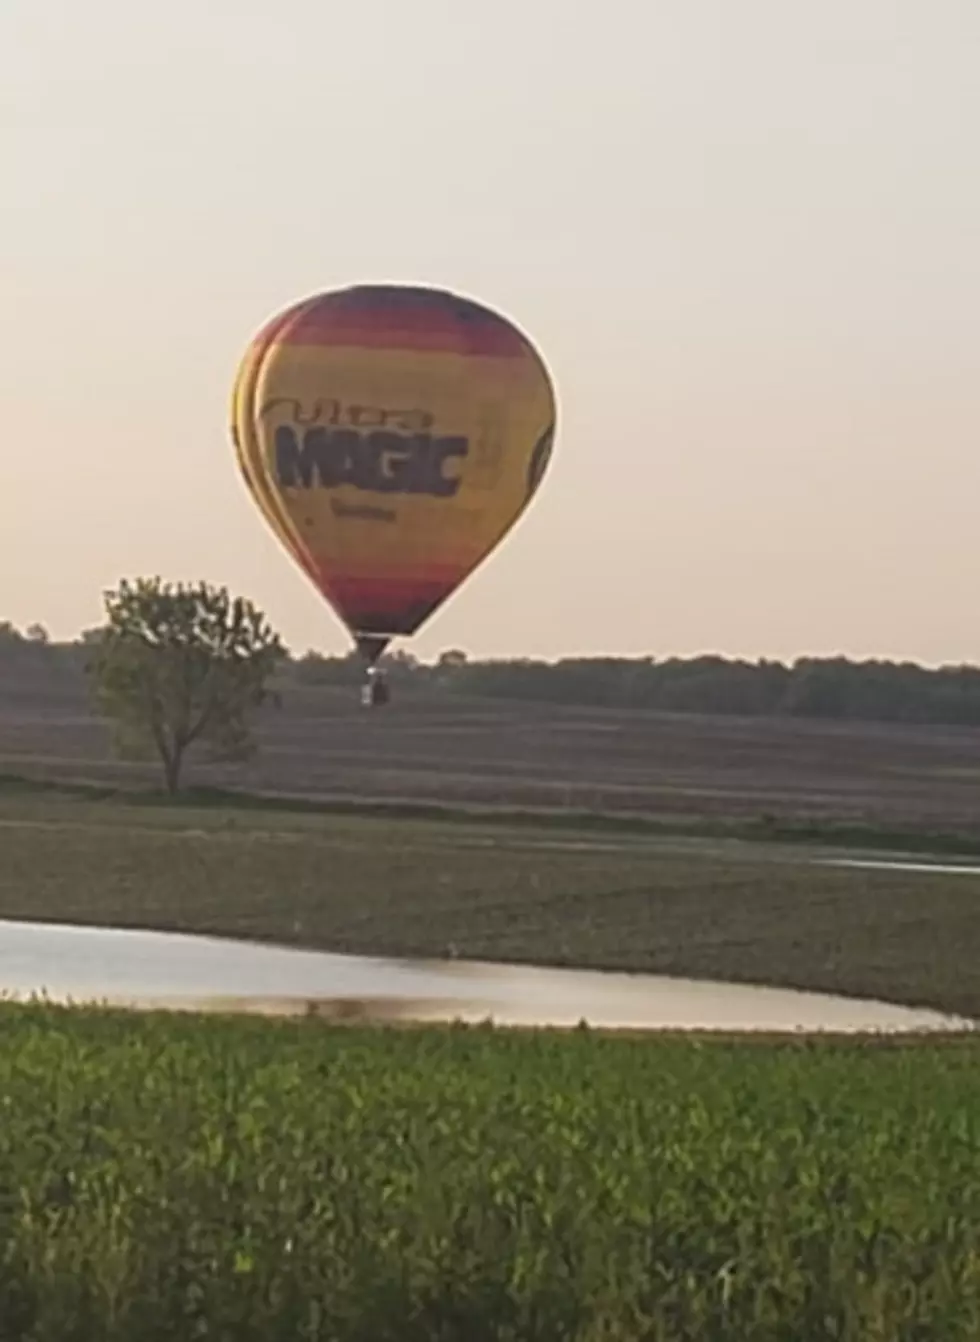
[[386, 605], [382, 318], [388, 592]]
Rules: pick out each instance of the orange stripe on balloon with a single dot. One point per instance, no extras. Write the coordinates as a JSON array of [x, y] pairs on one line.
[[385, 572]]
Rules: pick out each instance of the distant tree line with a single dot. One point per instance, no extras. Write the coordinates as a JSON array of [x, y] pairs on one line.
[[810, 687]]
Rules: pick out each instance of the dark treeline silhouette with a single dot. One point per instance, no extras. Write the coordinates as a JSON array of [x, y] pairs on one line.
[[811, 687]]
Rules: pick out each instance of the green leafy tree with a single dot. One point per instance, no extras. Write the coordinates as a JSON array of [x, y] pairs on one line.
[[180, 665]]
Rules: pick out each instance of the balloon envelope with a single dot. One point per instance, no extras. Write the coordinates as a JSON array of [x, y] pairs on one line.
[[391, 436]]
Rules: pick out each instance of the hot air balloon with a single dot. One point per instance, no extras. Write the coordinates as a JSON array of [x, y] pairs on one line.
[[391, 436]]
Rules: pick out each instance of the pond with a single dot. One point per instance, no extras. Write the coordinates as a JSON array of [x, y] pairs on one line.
[[145, 969]]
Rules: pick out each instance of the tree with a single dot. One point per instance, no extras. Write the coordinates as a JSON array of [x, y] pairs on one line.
[[181, 665]]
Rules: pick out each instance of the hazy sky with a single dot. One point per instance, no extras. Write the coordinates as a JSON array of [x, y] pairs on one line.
[[744, 233]]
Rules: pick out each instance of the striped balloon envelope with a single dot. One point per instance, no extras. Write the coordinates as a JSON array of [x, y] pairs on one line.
[[391, 436]]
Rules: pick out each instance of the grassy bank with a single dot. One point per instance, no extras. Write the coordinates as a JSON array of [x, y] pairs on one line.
[[765, 828], [388, 885], [168, 1177]]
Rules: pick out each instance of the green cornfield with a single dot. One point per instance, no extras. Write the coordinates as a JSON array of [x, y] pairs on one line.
[[173, 1177]]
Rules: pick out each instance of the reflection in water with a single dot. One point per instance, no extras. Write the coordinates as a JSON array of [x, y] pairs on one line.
[[137, 968]]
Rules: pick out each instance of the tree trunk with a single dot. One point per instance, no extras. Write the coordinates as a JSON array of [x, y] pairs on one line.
[[172, 761]]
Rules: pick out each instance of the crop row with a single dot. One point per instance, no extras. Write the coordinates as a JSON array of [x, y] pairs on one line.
[[168, 1177]]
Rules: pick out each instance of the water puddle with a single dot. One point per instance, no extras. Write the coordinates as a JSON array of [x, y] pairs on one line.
[[886, 864], [145, 969]]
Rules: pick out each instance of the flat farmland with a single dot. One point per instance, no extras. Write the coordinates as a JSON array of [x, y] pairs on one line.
[[712, 909], [273, 1179], [448, 749]]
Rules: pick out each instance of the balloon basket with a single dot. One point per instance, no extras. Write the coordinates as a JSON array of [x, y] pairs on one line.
[[375, 692]]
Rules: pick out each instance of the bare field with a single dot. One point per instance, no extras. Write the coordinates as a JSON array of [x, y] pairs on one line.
[[451, 749], [721, 910], [727, 910]]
